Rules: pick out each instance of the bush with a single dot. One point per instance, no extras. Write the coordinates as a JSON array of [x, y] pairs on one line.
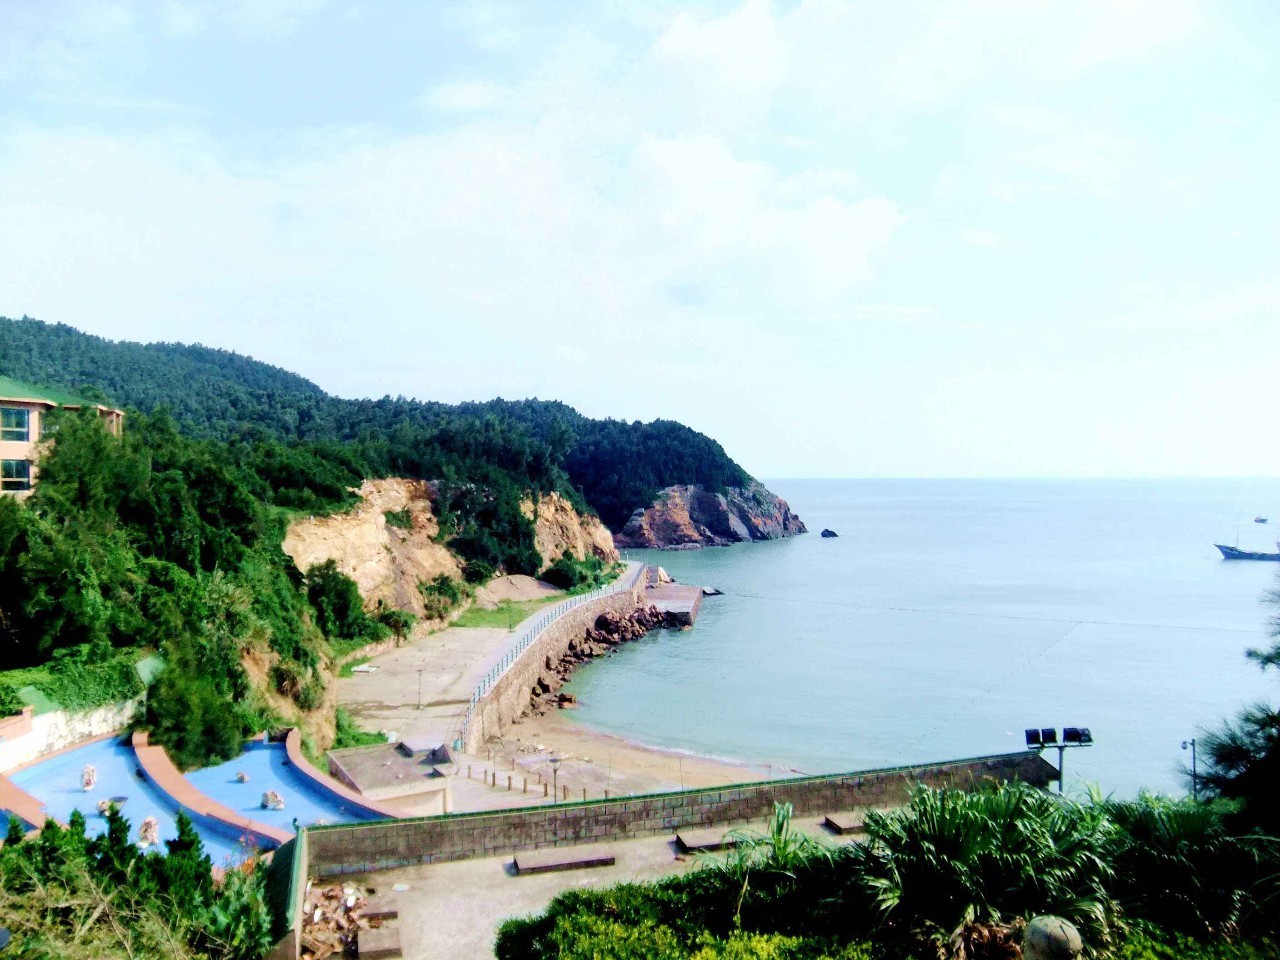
[[950, 859], [442, 596], [1177, 865], [349, 735], [568, 572], [401, 519]]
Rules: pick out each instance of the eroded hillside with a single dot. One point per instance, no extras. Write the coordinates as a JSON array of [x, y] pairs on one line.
[[389, 558]]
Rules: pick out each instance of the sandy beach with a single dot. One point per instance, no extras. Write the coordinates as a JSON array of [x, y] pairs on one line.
[[600, 762]]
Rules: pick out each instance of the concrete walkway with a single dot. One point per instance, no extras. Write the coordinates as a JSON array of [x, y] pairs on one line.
[[423, 688], [454, 909]]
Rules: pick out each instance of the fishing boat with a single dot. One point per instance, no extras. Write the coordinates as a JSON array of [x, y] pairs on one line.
[[1259, 519], [1235, 553]]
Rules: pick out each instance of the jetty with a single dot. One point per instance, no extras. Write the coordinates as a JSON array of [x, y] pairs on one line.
[[678, 601]]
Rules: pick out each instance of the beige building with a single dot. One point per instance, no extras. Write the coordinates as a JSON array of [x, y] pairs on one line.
[[23, 425]]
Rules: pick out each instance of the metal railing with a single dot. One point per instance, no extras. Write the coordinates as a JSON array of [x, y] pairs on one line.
[[532, 629]]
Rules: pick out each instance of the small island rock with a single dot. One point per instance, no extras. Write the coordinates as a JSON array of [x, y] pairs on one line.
[[828, 534]]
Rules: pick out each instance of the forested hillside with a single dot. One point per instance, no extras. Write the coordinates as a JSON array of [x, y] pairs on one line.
[[614, 466]]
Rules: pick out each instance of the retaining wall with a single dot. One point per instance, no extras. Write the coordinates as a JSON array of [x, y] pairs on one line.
[[508, 698], [22, 741], [360, 848]]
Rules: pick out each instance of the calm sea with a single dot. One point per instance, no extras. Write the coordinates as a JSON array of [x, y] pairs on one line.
[[950, 615]]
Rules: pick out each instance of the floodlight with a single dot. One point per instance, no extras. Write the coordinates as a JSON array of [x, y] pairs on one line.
[[1071, 735], [1049, 735], [1086, 737], [1033, 739]]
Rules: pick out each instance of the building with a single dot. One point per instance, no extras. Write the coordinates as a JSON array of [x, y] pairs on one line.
[[24, 409]]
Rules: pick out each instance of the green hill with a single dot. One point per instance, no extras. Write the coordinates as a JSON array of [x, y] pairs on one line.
[[613, 465]]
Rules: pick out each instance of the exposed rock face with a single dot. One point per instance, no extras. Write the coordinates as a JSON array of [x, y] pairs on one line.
[[687, 517], [386, 562], [610, 629], [560, 529]]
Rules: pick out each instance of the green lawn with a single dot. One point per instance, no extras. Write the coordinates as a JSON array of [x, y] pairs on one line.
[[507, 614]]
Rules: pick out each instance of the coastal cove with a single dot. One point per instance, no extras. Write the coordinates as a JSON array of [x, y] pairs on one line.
[[948, 616]]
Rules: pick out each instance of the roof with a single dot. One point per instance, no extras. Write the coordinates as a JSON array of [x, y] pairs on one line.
[[11, 389]]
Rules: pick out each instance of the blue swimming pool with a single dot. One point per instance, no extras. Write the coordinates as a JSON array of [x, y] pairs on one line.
[[267, 767], [56, 784]]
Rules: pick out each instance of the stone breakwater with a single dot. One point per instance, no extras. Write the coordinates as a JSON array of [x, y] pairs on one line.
[[609, 630]]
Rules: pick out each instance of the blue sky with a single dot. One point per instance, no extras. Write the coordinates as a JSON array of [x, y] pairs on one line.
[[997, 238]]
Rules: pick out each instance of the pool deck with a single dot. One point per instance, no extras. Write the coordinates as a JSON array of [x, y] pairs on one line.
[[21, 804]]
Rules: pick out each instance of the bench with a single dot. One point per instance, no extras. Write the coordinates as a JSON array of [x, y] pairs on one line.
[[704, 841], [379, 908], [564, 858], [845, 822], [379, 943]]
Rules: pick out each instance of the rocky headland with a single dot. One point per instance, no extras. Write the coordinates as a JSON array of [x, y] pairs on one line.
[[686, 517]]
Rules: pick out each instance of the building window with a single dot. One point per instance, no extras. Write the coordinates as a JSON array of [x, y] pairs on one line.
[[15, 474], [15, 424]]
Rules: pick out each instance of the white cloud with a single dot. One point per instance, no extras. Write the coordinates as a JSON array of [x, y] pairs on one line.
[[979, 238], [462, 97]]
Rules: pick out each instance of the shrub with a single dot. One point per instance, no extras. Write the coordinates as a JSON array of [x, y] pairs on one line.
[[402, 519], [441, 596], [950, 859], [1177, 865], [568, 572]]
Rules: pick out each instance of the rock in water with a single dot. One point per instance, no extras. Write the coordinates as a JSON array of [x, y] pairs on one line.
[[828, 534], [1051, 938]]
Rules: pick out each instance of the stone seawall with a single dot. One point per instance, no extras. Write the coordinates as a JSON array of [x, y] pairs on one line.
[[508, 698], [360, 848]]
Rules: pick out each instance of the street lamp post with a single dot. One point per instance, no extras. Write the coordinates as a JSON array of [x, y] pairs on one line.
[[1195, 775], [555, 778]]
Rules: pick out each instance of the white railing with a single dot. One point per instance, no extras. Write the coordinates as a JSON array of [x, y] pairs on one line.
[[531, 629]]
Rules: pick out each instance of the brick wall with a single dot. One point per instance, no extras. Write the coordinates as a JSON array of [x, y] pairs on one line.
[[358, 848]]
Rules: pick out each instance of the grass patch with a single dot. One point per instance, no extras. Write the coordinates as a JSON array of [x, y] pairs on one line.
[[346, 669], [349, 735], [507, 614]]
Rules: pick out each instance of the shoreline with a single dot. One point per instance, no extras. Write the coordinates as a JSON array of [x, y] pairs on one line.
[[601, 762]]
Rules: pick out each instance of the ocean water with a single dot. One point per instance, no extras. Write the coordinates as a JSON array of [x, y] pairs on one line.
[[950, 615]]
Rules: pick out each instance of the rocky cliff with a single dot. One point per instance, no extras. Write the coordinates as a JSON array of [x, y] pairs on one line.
[[560, 529], [687, 517], [388, 561]]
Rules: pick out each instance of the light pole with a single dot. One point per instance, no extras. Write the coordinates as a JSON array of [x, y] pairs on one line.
[[1039, 738], [555, 778], [420, 669], [1195, 777]]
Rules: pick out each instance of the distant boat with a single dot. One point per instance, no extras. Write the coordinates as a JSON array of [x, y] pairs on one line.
[[1235, 553], [1259, 519]]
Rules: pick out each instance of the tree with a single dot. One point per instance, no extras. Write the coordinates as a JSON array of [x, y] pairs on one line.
[[1244, 754]]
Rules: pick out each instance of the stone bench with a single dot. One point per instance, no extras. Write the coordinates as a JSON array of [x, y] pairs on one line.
[[845, 822], [704, 840], [379, 943], [564, 858], [379, 908]]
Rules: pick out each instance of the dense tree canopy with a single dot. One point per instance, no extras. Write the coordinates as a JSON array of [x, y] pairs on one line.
[[542, 445]]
